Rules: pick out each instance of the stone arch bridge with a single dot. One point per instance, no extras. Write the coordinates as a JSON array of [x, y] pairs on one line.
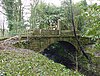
[[41, 39]]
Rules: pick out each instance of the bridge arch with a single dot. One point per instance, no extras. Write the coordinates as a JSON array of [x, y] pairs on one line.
[[66, 43], [63, 45], [61, 52], [39, 43]]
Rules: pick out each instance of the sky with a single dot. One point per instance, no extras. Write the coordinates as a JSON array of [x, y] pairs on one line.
[[57, 2], [26, 3]]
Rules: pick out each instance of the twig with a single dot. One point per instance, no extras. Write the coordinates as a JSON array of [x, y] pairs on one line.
[[3, 13]]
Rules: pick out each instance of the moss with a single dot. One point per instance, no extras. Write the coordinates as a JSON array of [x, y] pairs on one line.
[[22, 44]]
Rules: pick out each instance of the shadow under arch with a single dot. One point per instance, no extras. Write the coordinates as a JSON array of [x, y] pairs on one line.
[[62, 52], [68, 46], [65, 53]]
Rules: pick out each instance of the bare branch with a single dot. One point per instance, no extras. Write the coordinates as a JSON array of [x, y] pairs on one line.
[[73, 24], [3, 13]]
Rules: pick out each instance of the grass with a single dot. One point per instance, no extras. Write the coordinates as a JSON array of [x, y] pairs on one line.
[[15, 63]]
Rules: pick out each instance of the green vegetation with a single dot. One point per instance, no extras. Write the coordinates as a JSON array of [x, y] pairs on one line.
[[46, 16], [86, 68], [20, 63], [86, 17]]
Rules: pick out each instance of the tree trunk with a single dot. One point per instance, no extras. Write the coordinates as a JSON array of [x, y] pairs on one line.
[[73, 25]]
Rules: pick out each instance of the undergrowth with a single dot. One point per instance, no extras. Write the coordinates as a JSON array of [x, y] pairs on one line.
[[15, 63]]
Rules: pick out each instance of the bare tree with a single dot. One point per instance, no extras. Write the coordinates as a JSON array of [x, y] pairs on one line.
[[73, 25]]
